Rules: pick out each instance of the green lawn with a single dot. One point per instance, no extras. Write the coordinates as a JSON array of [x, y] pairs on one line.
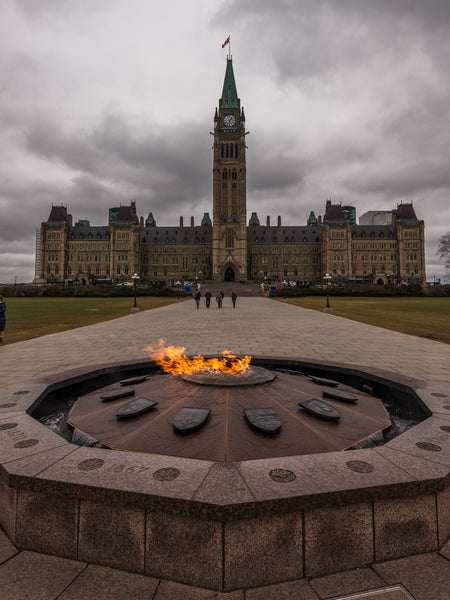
[[33, 317], [424, 317]]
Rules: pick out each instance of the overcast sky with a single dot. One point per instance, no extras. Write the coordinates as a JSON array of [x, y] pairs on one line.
[[105, 101]]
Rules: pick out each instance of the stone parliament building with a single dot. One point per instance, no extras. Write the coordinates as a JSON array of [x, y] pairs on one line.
[[387, 246]]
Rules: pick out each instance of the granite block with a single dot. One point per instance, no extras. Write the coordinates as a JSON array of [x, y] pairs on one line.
[[338, 538], [426, 440], [25, 436], [103, 583], [20, 396], [98, 475], [405, 526], [47, 524], [31, 465], [263, 551], [291, 590], [443, 515], [425, 576], [170, 590], [184, 549], [427, 472], [361, 471], [112, 536], [8, 500], [436, 398], [224, 485], [36, 576], [7, 548], [348, 582]]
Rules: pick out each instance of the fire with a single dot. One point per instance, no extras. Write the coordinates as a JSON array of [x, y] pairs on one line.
[[173, 360]]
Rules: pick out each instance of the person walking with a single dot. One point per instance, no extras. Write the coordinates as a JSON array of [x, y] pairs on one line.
[[197, 298], [233, 298], [208, 298], [219, 299], [2, 317]]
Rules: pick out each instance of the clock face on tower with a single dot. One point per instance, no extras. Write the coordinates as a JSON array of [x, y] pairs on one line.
[[229, 120]]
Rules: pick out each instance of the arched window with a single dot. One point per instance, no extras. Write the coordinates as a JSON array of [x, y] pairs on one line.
[[229, 242]]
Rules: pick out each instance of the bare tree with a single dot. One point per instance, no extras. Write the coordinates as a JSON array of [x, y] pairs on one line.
[[443, 249]]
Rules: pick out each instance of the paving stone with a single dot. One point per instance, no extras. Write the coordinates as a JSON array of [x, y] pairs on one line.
[[291, 590], [425, 576], [7, 549], [347, 582], [169, 590], [397, 592], [103, 583], [445, 550], [31, 576]]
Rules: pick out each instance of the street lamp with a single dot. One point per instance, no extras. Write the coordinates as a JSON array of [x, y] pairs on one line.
[[327, 278], [135, 307]]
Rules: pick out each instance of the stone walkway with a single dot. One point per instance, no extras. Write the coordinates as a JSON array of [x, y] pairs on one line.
[[260, 327]]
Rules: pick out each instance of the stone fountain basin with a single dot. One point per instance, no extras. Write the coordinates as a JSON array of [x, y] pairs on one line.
[[226, 526], [227, 435]]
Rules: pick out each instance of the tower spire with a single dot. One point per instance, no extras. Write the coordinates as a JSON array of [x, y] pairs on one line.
[[229, 93]]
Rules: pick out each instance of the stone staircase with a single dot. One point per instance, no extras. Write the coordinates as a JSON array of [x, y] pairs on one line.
[[247, 289]]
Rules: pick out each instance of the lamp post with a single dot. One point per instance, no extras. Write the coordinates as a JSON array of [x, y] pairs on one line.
[[327, 278], [135, 307]]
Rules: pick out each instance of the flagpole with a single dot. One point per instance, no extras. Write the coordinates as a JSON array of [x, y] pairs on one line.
[[229, 47]]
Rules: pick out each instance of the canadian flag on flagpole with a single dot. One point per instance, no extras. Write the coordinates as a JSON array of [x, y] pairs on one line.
[[227, 41]]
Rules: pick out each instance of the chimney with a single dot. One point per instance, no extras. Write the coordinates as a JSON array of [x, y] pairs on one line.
[[268, 222], [192, 222], [142, 221], [279, 222], [181, 222]]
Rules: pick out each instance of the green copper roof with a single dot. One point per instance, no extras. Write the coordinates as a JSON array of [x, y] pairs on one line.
[[206, 219], [312, 217], [254, 219], [229, 92]]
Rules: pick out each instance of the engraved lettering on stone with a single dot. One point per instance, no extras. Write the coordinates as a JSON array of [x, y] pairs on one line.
[[438, 395], [6, 426], [167, 474], [438, 437], [8, 405], [91, 464], [359, 466], [17, 435], [26, 443], [428, 446], [445, 428], [21, 392], [313, 471], [282, 475], [127, 469]]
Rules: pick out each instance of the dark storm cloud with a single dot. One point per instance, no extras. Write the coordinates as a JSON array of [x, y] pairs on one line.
[[309, 37], [162, 164]]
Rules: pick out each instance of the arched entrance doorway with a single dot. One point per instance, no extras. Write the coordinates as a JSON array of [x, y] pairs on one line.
[[229, 274]]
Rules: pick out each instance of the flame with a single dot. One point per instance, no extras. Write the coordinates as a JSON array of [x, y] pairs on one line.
[[173, 360]]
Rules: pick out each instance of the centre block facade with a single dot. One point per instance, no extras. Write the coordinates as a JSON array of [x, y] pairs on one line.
[[387, 246]]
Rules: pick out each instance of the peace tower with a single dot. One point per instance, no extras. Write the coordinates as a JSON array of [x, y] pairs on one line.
[[229, 252]]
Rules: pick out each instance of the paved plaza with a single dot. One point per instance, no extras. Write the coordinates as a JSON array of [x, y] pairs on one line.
[[260, 327]]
